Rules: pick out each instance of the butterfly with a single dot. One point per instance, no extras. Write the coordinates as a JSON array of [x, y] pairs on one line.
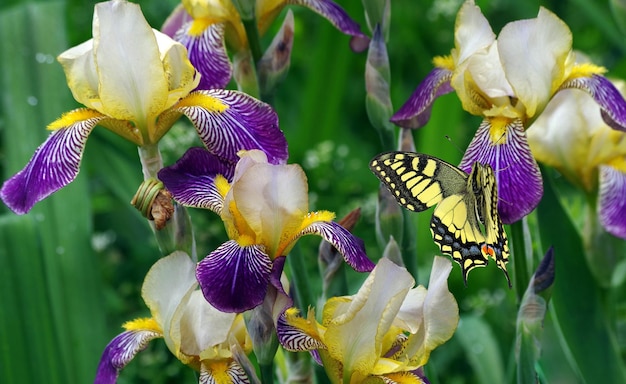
[[465, 223]]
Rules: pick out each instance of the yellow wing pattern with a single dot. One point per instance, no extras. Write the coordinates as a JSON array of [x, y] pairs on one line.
[[465, 223]]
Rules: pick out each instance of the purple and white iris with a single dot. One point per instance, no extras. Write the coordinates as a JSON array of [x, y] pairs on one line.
[[137, 89], [264, 206], [509, 81]]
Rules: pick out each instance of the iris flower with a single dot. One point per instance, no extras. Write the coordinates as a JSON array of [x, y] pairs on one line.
[[572, 137], [264, 207], [508, 81], [205, 26], [386, 331], [136, 82], [199, 335]]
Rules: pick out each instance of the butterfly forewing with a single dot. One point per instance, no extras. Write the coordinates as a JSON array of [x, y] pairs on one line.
[[415, 180], [465, 223]]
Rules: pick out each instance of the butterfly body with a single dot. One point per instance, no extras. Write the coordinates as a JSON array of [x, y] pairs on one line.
[[465, 222]]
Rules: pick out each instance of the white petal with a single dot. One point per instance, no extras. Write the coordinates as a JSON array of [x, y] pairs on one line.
[[472, 32]]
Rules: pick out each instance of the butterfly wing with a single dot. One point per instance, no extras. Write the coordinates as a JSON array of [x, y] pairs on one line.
[[418, 181]]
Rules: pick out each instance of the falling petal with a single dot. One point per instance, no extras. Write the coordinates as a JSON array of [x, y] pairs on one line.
[[229, 121], [519, 182], [416, 111], [120, 351], [351, 247], [612, 200], [208, 55], [53, 165], [333, 13], [220, 371], [608, 97], [191, 180], [234, 278]]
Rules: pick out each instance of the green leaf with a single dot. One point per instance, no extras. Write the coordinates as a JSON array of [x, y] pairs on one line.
[[481, 349], [576, 299], [52, 320]]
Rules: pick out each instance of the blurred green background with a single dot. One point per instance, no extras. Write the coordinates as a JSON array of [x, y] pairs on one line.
[[71, 270]]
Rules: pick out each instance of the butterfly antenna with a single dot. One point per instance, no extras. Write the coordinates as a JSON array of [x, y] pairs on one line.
[[454, 144]]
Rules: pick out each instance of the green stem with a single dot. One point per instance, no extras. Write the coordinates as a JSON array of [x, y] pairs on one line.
[[178, 233], [254, 39], [267, 372], [519, 231], [300, 280]]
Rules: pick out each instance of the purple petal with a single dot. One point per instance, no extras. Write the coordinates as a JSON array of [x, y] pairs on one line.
[[234, 278], [245, 123], [332, 12], [208, 55], [612, 200], [610, 100], [54, 165], [120, 351], [191, 180], [352, 248], [415, 113], [175, 21], [519, 182], [295, 339]]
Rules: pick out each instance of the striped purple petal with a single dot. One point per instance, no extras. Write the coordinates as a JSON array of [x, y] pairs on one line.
[[610, 100], [415, 113], [208, 55], [294, 339], [191, 180], [612, 200], [234, 278], [351, 247], [519, 181], [176, 20], [332, 12], [215, 373], [54, 165], [245, 123], [120, 351]]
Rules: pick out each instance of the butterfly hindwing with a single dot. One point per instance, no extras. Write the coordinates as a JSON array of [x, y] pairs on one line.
[[465, 223]]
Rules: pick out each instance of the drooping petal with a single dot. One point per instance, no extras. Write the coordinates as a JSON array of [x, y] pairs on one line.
[[535, 54], [612, 200], [212, 372], [191, 180], [133, 82], [54, 164], [332, 12], [298, 334], [175, 21], [234, 278], [351, 247], [208, 55], [608, 97], [416, 111], [506, 149], [230, 121], [120, 351]]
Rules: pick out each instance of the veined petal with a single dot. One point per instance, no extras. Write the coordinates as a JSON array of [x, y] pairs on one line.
[[234, 278], [351, 247], [222, 372], [208, 55], [229, 121], [535, 54], [505, 147], [120, 351], [133, 83], [416, 111], [332, 12], [608, 97], [191, 180], [298, 334], [54, 164], [176, 20], [612, 201]]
